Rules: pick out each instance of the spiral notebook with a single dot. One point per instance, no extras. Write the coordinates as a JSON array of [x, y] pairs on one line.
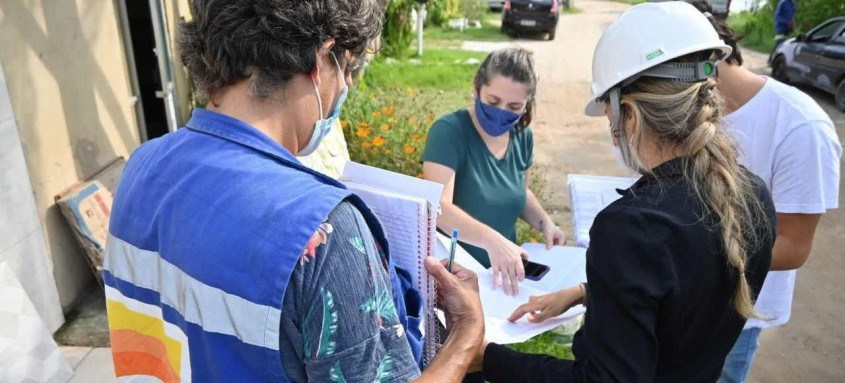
[[407, 208]]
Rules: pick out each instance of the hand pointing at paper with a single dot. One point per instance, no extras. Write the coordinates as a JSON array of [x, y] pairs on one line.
[[542, 307]]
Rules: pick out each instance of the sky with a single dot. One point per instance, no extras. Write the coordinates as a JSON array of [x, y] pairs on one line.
[[741, 5]]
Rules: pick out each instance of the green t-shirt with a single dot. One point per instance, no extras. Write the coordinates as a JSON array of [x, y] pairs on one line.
[[488, 189]]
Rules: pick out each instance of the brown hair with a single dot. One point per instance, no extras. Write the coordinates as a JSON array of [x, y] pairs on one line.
[[516, 64]]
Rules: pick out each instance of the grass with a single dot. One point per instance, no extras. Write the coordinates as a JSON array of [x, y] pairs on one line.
[[552, 343], [440, 69], [489, 31], [754, 37]]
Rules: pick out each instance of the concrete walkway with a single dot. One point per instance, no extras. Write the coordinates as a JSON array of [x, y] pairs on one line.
[[90, 364]]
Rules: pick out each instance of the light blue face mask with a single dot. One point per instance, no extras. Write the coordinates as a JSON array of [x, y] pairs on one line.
[[324, 125]]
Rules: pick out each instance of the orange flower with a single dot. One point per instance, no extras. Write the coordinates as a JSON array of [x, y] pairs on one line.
[[533, 240], [415, 137], [378, 141], [375, 150], [388, 111], [343, 123], [367, 144], [428, 121], [363, 132], [363, 125], [376, 114], [409, 149], [388, 152], [385, 127]]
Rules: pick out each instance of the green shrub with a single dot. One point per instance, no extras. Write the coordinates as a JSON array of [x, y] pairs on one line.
[[811, 13], [474, 9], [440, 11], [397, 34], [758, 26], [387, 128], [756, 29]]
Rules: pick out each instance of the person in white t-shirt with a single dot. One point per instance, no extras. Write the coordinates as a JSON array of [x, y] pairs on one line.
[[786, 139]]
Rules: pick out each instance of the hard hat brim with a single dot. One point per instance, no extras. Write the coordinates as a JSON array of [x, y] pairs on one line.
[[595, 108]]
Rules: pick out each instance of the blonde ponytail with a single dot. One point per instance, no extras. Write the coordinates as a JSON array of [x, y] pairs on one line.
[[685, 117]]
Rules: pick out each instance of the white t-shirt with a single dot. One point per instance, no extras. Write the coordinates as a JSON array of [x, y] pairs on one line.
[[786, 139]]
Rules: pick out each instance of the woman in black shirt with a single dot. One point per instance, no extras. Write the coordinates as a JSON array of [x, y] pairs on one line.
[[673, 265]]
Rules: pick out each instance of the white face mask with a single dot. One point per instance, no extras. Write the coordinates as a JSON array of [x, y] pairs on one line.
[[324, 125], [620, 159]]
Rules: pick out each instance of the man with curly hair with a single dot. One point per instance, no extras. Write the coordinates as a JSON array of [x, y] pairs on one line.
[[230, 261]]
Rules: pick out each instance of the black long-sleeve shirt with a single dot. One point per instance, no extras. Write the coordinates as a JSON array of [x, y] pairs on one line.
[[659, 306]]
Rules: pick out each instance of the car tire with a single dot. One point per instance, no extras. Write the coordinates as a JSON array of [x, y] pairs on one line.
[[840, 96], [779, 70], [552, 34]]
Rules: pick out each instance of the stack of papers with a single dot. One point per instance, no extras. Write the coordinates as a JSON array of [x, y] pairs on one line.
[[567, 268], [590, 195]]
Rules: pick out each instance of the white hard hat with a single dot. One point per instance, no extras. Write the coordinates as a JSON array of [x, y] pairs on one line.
[[648, 35]]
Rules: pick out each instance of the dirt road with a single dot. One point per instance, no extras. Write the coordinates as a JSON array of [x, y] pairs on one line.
[[811, 347]]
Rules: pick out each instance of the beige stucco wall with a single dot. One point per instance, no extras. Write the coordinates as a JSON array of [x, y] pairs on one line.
[[69, 86]]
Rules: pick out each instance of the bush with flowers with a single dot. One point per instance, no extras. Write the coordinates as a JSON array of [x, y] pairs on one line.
[[388, 128]]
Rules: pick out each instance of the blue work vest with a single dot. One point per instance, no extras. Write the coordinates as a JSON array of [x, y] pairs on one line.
[[207, 225]]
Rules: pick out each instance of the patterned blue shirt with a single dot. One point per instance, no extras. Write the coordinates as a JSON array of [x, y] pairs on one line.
[[339, 323]]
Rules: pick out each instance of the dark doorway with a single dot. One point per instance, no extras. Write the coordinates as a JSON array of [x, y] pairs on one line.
[[147, 69]]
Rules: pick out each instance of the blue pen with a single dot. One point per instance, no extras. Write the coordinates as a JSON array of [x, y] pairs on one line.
[[452, 248]]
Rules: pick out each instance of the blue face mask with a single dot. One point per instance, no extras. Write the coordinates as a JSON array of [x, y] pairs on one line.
[[493, 120], [324, 125]]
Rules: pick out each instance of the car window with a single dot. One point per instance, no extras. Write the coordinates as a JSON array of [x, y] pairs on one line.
[[826, 32], [840, 39]]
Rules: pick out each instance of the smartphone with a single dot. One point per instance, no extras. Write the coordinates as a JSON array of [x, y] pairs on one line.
[[534, 271]]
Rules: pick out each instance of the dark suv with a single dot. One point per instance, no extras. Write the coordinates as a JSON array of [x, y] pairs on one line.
[[816, 58], [530, 16]]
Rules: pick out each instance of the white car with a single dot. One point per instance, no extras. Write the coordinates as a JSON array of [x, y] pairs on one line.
[[496, 5]]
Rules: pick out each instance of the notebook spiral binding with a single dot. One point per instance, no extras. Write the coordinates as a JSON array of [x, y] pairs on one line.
[[427, 245]]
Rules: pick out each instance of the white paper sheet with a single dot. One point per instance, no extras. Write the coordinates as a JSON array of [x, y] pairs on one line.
[[398, 183], [590, 195], [566, 268]]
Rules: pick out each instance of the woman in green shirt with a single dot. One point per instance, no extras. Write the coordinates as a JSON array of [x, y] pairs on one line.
[[483, 156]]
